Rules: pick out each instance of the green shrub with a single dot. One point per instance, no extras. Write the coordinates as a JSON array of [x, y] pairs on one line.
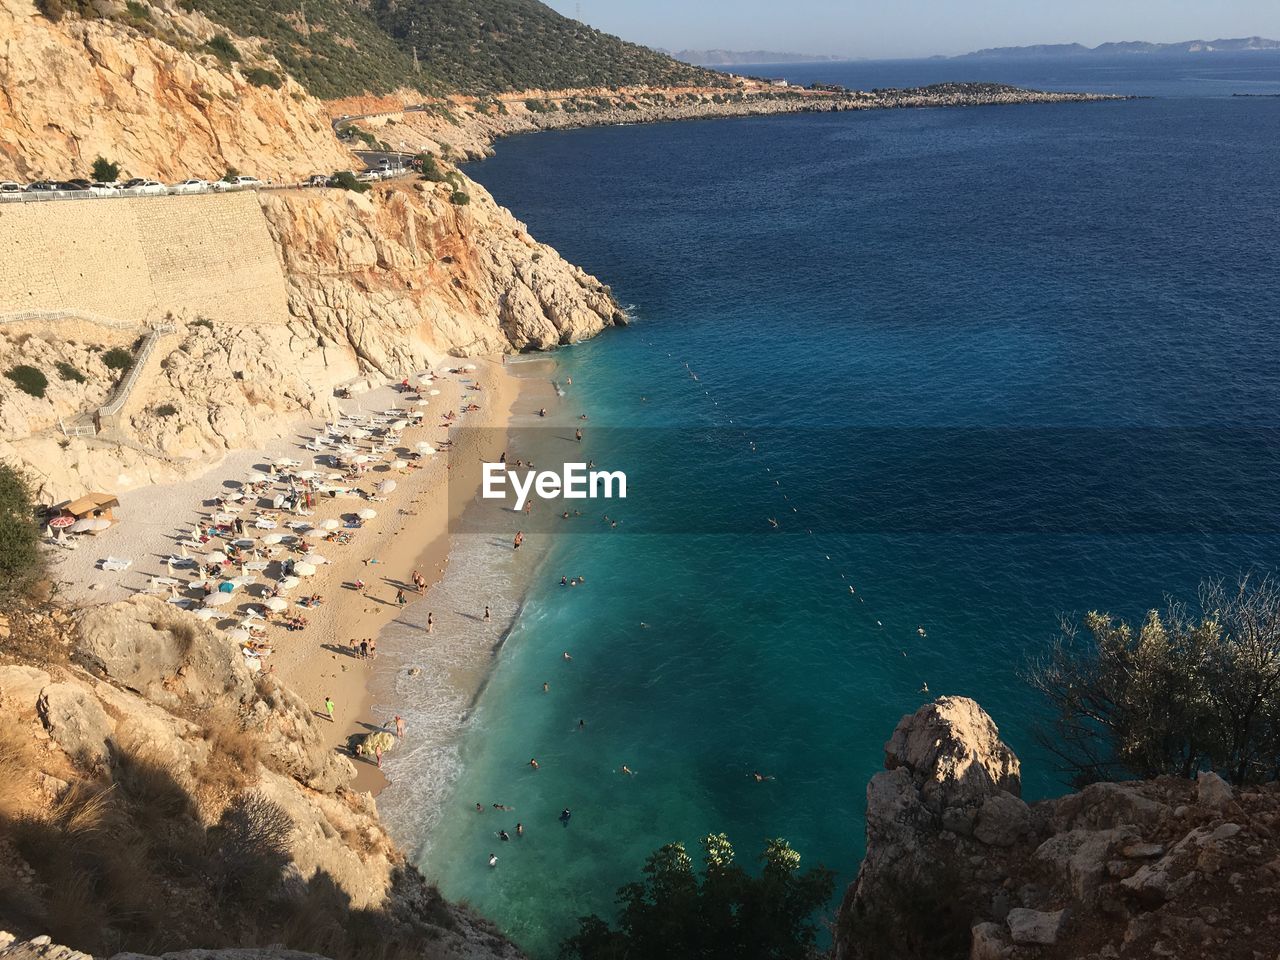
[[19, 556], [202, 322], [28, 379], [231, 174], [459, 198], [166, 410], [430, 169], [220, 46], [68, 372], [118, 358], [139, 11], [104, 171], [263, 78], [346, 180]]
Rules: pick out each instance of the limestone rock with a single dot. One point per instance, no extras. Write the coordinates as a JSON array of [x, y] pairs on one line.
[[76, 721], [20, 686], [1212, 790], [1034, 926]]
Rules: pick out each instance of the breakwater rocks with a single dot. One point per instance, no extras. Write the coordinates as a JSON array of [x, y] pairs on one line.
[[958, 865]]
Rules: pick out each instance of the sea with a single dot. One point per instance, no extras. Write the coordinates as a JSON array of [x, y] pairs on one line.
[[902, 390]]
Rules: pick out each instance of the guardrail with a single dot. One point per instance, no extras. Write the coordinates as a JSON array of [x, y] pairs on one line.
[[45, 196], [77, 429], [125, 386]]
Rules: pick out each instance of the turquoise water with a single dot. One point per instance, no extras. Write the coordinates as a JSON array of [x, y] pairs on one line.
[[1070, 280]]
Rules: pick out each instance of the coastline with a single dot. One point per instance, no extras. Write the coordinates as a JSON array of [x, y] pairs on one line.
[[436, 681]]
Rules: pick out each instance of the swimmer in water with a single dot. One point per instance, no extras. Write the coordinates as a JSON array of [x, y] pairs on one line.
[[533, 763], [924, 688], [503, 835], [565, 815], [920, 630], [759, 777], [519, 829], [627, 771], [493, 860], [479, 808], [566, 655], [546, 687]]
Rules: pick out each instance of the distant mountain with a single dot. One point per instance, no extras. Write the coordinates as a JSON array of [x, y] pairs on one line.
[[1126, 47], [732, 58]]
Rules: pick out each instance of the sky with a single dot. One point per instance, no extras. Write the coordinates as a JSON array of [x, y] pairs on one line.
[[917, 28]]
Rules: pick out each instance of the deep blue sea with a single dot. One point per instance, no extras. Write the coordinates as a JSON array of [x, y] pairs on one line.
[[981, 365]]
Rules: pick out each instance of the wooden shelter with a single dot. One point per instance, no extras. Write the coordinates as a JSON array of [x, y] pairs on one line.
[[91, 505]]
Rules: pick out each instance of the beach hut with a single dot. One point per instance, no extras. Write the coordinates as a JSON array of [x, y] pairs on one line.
[[91, 506]]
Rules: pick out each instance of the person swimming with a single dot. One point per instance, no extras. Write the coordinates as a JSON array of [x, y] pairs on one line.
[[565, 815], [493, 860], [503, 835], [519, 829], [627, 771], [533, 763], [760, 777]]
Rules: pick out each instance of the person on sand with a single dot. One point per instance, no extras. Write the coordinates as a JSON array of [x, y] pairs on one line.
[[328, 708], [533, 763], [400, 598], [364, 649], [377, 752], [577, 434], [373, 649], [487, 615], [515, 544], [431, 621], [399, 725]]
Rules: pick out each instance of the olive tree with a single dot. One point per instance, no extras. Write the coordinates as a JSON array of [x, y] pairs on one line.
[[1183, 692]]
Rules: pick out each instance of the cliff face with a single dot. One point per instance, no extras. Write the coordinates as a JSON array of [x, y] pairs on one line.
[[78, 89], [192, 789], [403, 273], [957, 865]]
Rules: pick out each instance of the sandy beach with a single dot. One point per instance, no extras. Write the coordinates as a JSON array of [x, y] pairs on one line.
[[409, 532]]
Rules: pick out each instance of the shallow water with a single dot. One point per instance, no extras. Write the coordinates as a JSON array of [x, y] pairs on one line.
[[1083, 274]]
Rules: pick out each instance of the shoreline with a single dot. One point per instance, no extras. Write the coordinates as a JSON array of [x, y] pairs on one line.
[[437, 682]]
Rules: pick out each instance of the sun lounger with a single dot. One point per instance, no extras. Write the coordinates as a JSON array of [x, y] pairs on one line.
[[116, 564]]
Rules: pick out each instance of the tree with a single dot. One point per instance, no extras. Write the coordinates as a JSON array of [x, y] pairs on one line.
[[1178, 695], [104, 171], [726, 914]]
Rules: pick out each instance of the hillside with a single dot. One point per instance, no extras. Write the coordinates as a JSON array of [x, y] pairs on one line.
[[337, 48]]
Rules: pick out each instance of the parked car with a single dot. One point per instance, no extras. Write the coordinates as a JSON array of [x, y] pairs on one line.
[[236, 182], [192, 185], [8, 187], [318, 180], [384, 164], [368, 176], [42, 186], [98, 189], [76, 183], [132, 183], [150, 187]]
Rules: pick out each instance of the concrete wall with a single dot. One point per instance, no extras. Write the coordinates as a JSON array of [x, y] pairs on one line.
[[139, 258]]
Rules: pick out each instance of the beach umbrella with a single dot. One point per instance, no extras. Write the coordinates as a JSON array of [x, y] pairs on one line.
[[244, 542], [265, 523], [222, 518], [207, 613], [398, 464], [217, 556], [217, 599], [234, 496], [363, 458], [425, 448], [469, 366], [227, 586], [257, 565], [80, 526], [288, 583], [59, 523], [386, 486], [271, 539], [399, 424], [277, 604], [330, 524], [315, 559], [421, 402], [304, 569], [366, 513], [238, 635], [435, 393]]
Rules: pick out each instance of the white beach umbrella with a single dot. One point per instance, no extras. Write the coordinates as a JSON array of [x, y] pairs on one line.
[[399, 424], [366, 513], [425, 448], [421, 402], [288, 583], [238, 635], [207, 613], [276, 604], [398, 464], [435, 393], [386, 486], [257, 565], [315, 559], [222, 518], [265, 523], [218, 599], [330, 524], [271, 539], [216, 556], [362, 458], [244, 542], [304, 569], [234, 496], [470, 366], [81, 526]]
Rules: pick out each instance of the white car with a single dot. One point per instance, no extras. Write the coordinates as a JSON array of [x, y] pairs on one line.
[[99, 189], [8, 187], [241, 182], [148, 187], [193, 185]]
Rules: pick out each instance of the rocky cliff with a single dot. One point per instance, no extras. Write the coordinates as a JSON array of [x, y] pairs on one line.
[[958, 865], [155, 795], [144, 93]]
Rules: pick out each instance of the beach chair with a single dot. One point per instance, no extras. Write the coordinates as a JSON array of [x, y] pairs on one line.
[[116, 564]]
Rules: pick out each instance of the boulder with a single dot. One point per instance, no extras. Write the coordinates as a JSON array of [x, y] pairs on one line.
[[1212, 790], [76, 721], [1034, 926], [1002, 821], [20, 686]]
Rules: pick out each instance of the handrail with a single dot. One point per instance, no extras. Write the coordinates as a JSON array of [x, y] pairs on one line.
[[23, 316], [125, 386]]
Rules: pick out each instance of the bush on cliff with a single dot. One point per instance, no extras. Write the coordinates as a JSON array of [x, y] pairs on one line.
[[220, 46], [346, 180], [118, 358], [1184, 692], [724, 913], [20, 561], [104, 171], [28, 379], [263, 78]]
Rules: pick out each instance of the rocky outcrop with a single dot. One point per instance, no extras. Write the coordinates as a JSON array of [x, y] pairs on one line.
[[145, 96], [404, 274], [957, 865], [158, 716]]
